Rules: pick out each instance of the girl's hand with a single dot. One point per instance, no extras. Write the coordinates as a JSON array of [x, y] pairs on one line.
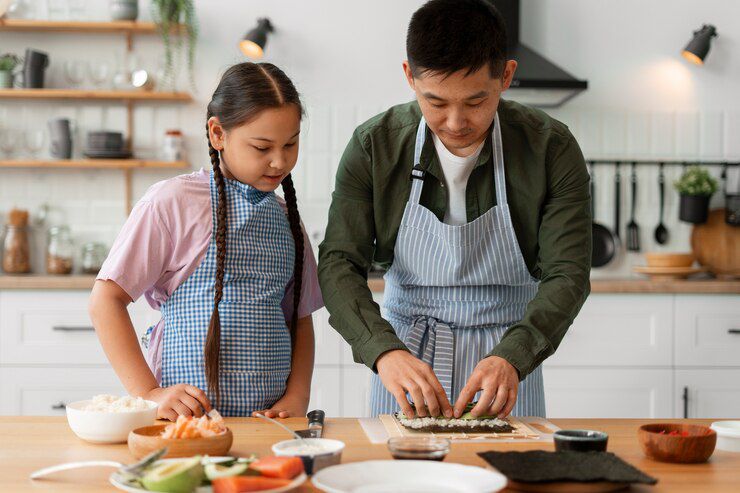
[[289, 406], [179, 399]]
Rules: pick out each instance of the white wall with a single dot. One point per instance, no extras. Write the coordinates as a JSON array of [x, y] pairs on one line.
[[345, 57]]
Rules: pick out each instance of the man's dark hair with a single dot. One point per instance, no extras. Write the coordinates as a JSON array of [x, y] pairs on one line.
[[446, 36]]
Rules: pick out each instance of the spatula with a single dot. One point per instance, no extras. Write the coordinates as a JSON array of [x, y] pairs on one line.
[[633, 230]]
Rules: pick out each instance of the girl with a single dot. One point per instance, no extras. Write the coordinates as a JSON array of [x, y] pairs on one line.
[[227, 263]]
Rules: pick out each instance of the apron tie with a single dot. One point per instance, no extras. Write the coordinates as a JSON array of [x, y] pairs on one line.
[[433, 342]]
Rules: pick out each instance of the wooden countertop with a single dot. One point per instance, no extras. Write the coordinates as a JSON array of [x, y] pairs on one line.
[[376, 284], [30, 443]]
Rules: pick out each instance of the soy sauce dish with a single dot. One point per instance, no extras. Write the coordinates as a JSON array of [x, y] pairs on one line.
[[580, 440], [316, 453]]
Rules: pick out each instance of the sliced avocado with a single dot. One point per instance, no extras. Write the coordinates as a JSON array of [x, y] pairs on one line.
[[175, 477], [215, 471]]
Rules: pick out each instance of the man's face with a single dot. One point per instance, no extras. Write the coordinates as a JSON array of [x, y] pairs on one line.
[[460, 108]]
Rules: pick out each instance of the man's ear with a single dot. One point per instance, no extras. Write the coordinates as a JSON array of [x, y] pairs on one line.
[[409, 74], [216, 133], [509, 70]]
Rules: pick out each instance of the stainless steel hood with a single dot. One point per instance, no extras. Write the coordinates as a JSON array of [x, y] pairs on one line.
[[537, 80]]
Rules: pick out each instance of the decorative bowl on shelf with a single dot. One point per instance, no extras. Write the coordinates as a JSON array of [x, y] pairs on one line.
[[675, 442], [660, 259]]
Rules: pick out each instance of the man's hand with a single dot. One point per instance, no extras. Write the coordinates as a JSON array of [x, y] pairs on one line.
[[402, 372], [498, 380]]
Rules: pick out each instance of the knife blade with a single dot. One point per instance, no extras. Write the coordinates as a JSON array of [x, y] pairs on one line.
[[315, 424]]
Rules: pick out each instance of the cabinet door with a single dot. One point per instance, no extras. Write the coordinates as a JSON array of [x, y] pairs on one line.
[[707, 394], [356, 391], [53, 328], [45, 391], [708, 330], [608, 393], [328, 343], [326, 390], [619, 330]]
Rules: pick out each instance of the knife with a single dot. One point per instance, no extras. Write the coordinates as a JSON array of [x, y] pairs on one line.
[[315, 424]]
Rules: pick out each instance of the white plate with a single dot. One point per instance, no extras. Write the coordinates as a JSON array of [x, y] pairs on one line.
[[408, 476], [117, 481]]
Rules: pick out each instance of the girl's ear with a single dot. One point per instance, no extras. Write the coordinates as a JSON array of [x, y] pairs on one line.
[[216, 133]]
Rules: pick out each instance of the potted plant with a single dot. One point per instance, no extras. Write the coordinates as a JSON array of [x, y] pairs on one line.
[[696, 187], [168, 14], [8, 63]]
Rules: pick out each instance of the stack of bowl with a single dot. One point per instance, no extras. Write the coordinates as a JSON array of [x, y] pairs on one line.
[[106, 145]]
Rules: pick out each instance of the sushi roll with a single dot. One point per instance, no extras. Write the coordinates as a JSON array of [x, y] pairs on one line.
[[465, 423]]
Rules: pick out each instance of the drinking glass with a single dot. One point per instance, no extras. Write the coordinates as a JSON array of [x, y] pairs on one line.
[[8, 141], [74, 72], [34, 140], [99, 72]]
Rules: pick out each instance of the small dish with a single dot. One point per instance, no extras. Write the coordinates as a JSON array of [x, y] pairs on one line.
[[667, 273], [419, 448], [672, 442], [316, 453], [580, 440], [728, 435], [143, 441], [107, 427], [661, 259]]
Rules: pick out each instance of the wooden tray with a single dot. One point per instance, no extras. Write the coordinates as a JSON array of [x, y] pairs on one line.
[[521, 430]]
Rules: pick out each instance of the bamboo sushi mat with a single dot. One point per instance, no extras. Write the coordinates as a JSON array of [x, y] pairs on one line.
[[526, 429]]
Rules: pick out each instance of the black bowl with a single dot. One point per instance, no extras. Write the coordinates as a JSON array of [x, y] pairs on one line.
[[580, 440]]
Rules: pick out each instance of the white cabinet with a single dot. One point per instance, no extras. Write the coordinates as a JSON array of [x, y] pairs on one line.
[[45, 391], [356, 390], [608, 393], [708, 331], [708, 393], [325, 390], [619, 330]]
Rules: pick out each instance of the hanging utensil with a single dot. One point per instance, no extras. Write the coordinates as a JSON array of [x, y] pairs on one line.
[[602, 239], [661, 232], [617, 199], [633, 230]]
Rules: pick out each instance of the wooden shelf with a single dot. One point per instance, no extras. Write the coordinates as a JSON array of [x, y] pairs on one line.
[[93, 164], [77, 94], [127, 27], [43, 281]]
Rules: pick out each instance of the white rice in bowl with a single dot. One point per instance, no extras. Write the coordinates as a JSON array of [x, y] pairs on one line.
[[106, 403]]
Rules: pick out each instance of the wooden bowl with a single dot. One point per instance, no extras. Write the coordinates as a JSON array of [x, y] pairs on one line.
[[656, 259], [696, 447], [143, 441]]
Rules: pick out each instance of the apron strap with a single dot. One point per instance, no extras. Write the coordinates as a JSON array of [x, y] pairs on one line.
[[499, 174], [436, 349], [417, 174]]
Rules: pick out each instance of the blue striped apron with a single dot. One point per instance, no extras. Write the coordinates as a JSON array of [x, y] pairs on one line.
[[255, 340], [452, 292]]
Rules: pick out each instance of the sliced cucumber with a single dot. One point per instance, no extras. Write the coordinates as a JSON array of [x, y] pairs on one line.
[[215, 471]]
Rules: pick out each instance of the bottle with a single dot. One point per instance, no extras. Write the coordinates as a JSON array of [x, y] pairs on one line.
[[59, 251], [173, 148], [17, 252]]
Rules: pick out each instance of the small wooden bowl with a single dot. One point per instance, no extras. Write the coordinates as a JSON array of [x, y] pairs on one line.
[[696, 447], [143, 441], [659, 259]]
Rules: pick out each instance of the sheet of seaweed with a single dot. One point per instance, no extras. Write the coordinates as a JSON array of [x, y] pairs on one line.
[[507, 428], [539, 466]]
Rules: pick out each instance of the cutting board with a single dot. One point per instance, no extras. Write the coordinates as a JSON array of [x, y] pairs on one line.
[[716, 245], [521, 430]]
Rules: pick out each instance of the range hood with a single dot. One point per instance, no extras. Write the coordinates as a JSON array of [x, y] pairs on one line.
[[537, 81]]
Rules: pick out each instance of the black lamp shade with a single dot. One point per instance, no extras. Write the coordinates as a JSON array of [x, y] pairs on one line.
[[698, 47], [254, 42]]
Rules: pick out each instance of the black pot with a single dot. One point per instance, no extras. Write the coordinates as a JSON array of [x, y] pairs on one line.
[[694, 208]]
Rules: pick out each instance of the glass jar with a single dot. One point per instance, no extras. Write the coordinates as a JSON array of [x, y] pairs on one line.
[[59, 251], [93, 256], [173, 148], [16, 248]]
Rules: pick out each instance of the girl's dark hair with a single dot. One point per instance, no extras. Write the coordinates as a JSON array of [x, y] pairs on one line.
[[445, 36], [244, 91]]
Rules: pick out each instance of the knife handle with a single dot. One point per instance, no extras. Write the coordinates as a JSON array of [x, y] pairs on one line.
[[316, 416]]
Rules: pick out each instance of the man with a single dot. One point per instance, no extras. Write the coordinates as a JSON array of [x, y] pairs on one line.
[[480, 209]]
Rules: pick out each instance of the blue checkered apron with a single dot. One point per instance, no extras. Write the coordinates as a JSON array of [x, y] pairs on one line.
[[255, 341], [453, 291]]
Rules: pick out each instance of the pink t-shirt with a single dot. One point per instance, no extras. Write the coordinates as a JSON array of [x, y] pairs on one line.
[[165, 239]]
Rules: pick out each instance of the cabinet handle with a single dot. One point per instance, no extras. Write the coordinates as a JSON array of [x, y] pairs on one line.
[[733, 331], [72, 328], [59, 407], [685, 403]]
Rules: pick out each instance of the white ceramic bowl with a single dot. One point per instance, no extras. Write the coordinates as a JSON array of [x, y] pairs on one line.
[[328, 452], [728, 435], [102, 427]]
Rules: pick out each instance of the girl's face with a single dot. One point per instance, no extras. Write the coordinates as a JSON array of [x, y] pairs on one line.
[[262, 151]]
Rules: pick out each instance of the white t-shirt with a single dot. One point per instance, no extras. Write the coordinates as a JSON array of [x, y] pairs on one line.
[[456, 171]]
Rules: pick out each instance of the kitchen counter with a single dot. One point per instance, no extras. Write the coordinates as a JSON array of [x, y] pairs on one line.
[[30, 443], [377, 284]]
